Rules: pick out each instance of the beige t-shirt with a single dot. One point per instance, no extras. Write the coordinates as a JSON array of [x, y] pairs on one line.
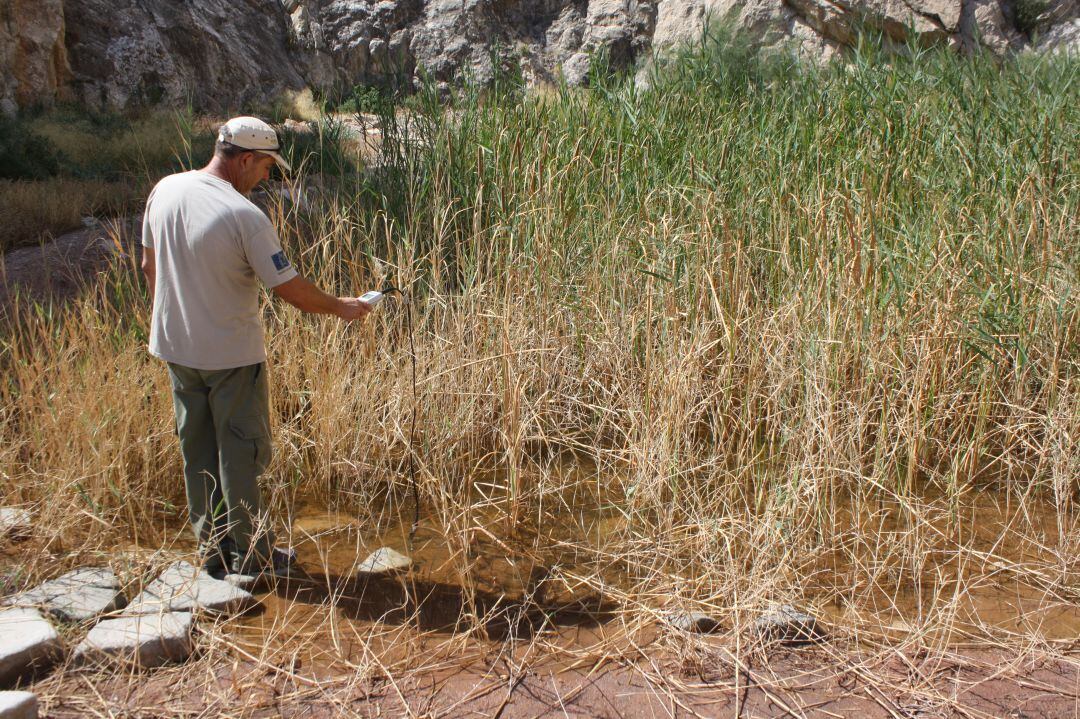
[[211, 245]]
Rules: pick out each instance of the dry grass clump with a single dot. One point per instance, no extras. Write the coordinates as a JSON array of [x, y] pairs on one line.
[[760, 333], [34, 210]]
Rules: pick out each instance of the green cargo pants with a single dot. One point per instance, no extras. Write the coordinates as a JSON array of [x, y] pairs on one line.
[[223, 419]]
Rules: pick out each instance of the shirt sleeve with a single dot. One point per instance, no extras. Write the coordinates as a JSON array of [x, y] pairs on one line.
[[264, 254]]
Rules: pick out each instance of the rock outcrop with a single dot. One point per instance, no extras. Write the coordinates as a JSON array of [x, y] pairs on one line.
[[33, 57], [221, 55], [213, 54]]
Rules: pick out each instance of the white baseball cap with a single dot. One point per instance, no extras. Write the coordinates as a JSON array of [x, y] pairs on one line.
[[251, 133]]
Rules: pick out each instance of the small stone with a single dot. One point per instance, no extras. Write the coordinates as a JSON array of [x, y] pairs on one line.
[[77, 596], [694, 622], [27, 642], [18, 705], [183, 588], [16, 521], [384, 559], [784, 623], [148, 640], [246, 582]]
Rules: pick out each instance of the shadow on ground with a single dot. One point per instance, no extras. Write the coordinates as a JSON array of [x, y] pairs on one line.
[[432, 606]]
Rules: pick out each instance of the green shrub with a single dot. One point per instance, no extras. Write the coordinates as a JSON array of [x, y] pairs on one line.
[[1028, 15], [25, 155], [367, 99]]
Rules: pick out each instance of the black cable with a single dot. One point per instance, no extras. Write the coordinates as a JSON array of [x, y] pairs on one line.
[[390, 289]]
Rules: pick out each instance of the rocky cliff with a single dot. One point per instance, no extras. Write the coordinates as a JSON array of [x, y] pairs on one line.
[[226, 54], [33, 57]]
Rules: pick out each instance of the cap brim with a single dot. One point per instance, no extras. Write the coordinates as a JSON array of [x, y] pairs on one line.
[[278, 159]]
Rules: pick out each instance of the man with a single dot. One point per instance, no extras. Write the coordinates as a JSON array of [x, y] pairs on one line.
[[205, 247]]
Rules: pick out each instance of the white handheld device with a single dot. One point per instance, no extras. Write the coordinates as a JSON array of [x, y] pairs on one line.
[[372, 298]]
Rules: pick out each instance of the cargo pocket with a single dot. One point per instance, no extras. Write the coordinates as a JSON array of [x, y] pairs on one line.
[[255, 431]]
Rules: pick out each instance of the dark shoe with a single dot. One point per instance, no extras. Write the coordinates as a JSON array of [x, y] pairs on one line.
[[217, 559]]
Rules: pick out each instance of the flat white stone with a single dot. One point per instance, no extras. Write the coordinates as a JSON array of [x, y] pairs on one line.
[[183, 588], [77, 596], [18, 705], [147, 640], [15, 521], [27, 641], [384, 559]]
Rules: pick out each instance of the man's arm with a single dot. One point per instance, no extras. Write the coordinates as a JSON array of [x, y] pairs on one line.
[[149, 269], [306, 297]]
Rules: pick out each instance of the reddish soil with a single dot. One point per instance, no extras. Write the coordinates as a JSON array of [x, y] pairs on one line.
[[807, 682]]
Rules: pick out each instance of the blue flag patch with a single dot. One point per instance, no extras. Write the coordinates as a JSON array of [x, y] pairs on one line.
[[280, 261]]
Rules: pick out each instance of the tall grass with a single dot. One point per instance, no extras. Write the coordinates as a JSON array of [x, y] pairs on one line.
[[813, 332]]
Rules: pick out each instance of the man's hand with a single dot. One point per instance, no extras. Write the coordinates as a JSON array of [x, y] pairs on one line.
[[353, 308]]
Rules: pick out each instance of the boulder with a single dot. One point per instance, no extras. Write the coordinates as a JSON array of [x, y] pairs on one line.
[[183, 588], [621, 30], [983, 23], [18, 705], [148, 640], [27, 643], [1063, 38], [929, 20], [77, 596]]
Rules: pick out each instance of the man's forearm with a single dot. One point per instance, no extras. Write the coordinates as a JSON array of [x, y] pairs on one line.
[[306, 297]]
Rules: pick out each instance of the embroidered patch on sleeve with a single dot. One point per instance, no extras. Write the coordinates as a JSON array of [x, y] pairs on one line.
[[280, 261]]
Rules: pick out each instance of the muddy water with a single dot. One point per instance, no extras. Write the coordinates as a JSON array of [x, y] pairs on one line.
[[954, 575], [477, 580], [989, 567]]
